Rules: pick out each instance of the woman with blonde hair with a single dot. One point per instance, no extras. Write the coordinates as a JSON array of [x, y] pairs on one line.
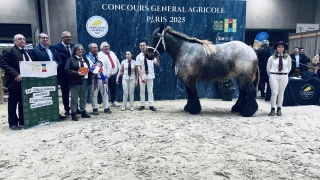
[[278, 67]]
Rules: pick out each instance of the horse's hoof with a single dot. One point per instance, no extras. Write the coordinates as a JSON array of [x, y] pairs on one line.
[[235, 109]]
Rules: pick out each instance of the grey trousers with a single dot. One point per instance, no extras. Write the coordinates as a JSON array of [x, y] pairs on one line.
[[79, 91]]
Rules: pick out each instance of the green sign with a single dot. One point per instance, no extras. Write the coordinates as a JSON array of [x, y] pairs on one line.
[[39, 92]]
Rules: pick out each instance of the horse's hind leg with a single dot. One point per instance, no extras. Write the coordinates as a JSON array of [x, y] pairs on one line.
[[193, 105]]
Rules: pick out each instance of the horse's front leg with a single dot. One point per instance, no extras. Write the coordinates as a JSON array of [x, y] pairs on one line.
[[193, 105]]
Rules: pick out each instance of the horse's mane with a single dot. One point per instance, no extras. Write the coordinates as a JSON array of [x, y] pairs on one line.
[[208, 46]]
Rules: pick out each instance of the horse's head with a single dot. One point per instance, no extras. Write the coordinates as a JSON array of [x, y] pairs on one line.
[[156, 46]]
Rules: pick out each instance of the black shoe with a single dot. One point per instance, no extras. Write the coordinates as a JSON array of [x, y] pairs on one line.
[[95, 112], [141, 108], [15, 127], [67, 113], [108, 111], [21, 124], [263, 95], [279, 111], [152, 108], [272, 112], [78, 111], [267, 99], [74, 117], [85, 115], [61, 117]]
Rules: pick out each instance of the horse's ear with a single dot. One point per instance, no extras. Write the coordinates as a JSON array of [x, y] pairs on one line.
[[161, 28]]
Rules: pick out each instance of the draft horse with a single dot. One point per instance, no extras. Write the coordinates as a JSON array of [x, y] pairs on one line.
[[201, 60]]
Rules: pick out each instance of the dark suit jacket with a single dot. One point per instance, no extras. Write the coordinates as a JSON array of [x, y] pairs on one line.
[[9, 61], [71, 69], [302, 59], [263, 55], [40, 54], [64, 55]]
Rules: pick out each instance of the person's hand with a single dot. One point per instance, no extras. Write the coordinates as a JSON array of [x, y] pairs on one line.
[[136, 83], [18, 78], [143, 80], [100, 70], [81, 74], [117, 81]]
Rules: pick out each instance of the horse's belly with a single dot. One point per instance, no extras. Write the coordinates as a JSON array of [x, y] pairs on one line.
[[216, 72]]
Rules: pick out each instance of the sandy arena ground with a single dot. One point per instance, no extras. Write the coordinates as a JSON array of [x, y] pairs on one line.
[[168, 144]]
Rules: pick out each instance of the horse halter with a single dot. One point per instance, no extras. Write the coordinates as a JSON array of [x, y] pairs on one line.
[[161, 39]]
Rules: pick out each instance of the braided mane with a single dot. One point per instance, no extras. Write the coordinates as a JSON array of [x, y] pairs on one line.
[[208, 46]]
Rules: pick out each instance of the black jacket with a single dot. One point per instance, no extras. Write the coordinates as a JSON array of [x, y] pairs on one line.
[[263, 55], [9, 61], [71, 69]]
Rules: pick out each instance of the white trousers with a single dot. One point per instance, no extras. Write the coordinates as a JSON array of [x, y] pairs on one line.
[[94, 97], [128, 86], [278, 84], [149, 84]]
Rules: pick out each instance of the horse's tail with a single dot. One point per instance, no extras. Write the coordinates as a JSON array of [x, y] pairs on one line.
[[256, 78]]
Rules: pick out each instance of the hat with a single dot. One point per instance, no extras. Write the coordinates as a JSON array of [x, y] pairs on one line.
[[280, 43]]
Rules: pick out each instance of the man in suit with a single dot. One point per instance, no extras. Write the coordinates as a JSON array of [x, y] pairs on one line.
[[299, 63], [64, 49], [9, 61], [45, 52]]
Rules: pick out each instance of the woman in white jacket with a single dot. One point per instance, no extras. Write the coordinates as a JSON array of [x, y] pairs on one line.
[[278, 68], [130, 70]]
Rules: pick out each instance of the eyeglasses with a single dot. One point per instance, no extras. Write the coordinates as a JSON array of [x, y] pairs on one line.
[[68, 37], [44, 37]]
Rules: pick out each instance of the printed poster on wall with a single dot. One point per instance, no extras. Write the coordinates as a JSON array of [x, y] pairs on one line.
[[39, 92], [124, 23]]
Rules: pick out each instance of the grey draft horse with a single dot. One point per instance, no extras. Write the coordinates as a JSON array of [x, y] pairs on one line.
[[201, 60]]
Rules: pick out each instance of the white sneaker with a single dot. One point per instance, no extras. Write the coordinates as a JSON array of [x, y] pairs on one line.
[[115, 104], [131, 109], [123, 108]]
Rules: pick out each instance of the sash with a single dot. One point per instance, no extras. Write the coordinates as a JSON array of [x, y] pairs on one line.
[[93, 60]]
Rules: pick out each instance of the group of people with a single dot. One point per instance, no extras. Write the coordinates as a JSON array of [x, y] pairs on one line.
[[79, 74], [276, 66]]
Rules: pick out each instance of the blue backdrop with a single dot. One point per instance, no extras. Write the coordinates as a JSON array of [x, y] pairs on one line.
[[130, 21]]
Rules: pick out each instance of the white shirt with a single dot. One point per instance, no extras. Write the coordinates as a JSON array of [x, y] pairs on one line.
[[140, 61], [125, 64], [107, 68], [110, 71], [273, 65]]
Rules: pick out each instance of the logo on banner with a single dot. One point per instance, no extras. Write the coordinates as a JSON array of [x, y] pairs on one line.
[[307, 91], [230, 25], [97, 26], [44, 67]]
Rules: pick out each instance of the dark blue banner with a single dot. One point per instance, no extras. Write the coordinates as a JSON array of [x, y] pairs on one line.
[[124, 23]]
